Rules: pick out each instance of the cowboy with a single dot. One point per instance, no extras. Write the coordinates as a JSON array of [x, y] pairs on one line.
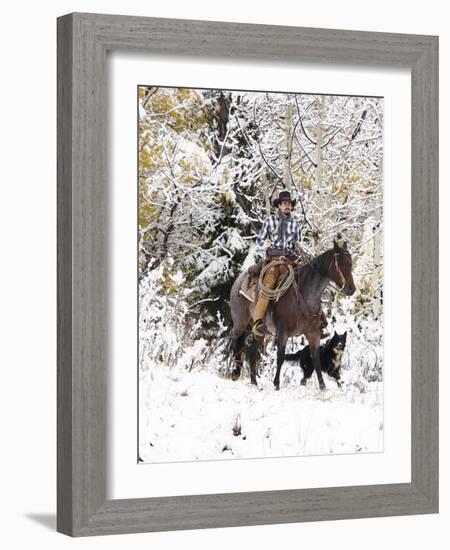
[[282, 232]]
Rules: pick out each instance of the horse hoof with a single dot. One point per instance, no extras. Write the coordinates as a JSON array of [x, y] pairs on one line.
[[322, 386], [235, 375]]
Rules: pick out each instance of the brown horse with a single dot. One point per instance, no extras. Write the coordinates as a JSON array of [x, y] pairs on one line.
[[296, 312]]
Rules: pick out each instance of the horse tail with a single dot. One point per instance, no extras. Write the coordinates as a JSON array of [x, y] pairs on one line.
[[227, 349]]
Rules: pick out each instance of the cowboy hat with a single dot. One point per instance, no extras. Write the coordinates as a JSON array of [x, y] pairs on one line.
[[283, 196]]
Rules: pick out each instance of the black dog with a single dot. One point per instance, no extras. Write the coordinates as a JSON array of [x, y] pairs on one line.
[[330, 358]]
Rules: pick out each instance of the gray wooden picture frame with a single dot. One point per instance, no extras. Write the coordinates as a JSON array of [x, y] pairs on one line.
[[83, 41]]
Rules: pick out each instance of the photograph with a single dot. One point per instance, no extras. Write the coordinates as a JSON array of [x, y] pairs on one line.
[[260, 274]]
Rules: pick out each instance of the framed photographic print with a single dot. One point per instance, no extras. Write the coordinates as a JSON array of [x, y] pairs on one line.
[[247, 274]]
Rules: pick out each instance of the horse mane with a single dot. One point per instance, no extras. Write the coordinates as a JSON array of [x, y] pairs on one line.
[[319, 263]]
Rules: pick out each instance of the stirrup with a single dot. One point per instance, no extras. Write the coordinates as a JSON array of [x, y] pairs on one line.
[[259, 329]]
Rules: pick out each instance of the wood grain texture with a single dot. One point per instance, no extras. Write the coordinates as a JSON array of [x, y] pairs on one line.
[[64, 277], [83, 210], [425, 274]]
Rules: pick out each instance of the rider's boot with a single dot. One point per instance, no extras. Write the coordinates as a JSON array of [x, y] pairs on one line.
[[259, 328]]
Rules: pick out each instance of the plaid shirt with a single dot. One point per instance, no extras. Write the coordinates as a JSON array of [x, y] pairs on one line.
[[270, 228]]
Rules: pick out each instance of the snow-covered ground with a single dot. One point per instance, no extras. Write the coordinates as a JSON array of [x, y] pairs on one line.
[[200, 415], [190, 409]]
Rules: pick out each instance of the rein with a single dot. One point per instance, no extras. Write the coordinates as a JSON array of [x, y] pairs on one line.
[[338, 270]]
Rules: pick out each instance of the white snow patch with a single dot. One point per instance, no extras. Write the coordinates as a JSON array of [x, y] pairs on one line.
[[198, 415]]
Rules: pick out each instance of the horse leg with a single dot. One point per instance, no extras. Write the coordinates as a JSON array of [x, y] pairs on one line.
[[314, 346], [237, 347], [281, 348], [240, 314], [254, 355]]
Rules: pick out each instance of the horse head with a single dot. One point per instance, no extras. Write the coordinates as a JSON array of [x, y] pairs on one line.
[[340, 269]]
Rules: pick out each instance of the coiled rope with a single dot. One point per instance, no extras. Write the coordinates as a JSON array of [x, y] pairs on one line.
[[283, 285]]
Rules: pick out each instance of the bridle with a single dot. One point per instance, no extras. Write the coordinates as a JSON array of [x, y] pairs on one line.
[[338, 270]]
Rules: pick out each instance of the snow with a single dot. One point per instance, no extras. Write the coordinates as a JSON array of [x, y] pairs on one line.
[[198, 415], [190, 409]]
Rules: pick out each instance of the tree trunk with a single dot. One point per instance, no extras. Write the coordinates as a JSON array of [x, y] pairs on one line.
[[287, 177]]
